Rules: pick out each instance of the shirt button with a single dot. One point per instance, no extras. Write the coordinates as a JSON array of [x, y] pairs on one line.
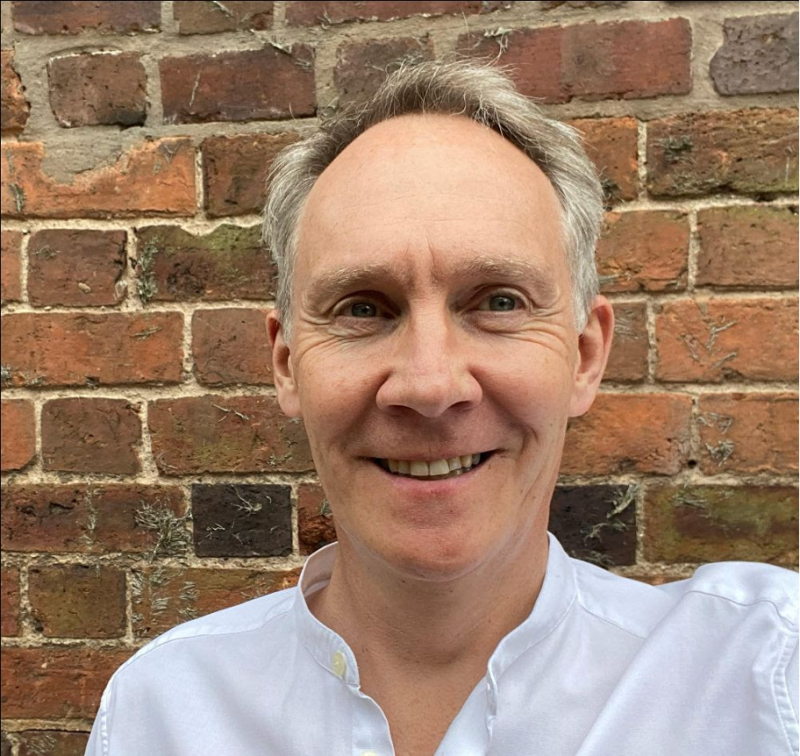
[[339, 664]]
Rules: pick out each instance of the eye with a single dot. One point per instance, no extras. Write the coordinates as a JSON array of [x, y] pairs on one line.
[[499, 303], [362, 310]]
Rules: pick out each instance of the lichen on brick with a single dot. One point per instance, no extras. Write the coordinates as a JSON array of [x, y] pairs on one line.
[[173, 538], [146, 285]]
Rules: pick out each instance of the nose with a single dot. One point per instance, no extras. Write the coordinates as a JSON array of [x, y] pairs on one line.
[[429, 370]]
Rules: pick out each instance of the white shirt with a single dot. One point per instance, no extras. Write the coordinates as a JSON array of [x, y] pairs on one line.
[[603, 666]]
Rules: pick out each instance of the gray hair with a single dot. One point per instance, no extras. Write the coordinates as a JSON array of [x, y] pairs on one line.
[[454, 86]]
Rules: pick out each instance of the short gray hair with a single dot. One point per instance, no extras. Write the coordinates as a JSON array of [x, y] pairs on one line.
[[453, 86]]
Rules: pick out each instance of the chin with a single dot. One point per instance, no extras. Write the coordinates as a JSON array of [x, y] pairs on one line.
[[434, 559]]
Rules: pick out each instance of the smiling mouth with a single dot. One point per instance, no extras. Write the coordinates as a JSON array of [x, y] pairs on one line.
[[439, 469]]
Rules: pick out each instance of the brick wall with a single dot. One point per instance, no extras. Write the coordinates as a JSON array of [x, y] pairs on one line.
[[148, 475]]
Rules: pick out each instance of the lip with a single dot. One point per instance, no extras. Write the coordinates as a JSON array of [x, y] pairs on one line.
[[429, 458]]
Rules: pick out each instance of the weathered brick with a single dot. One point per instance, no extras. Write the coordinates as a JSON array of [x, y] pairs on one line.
[[208, 18], [226, 434], [629, 59], [57, 17], [753, 247], [629, 350], [5, 745], [759, 55], [77, 601], [52, 742], [11, 268], [748, 433], [612, 144], [266, 84], [714, 523], [235, 170], [315, 523], [91, 435], [18, 440], [75, 267], [643, 251], [361, 67], [67, 349], [164, 597], [596, 523], [94, 519], [719, 339], [155, 178], [242, 520], [9, 602], [745, 151], [647, 433], [228, 263], [94, 89], [231, 346], [328, 12], [15, 108], [41, 683]]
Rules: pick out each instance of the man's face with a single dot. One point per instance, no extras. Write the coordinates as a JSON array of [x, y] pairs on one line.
[[433, 321]]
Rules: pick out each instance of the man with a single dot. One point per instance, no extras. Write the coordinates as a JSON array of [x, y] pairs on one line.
[[437, 326]]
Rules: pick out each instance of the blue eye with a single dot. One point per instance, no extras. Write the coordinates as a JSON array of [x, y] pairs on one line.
[[363, 310], [499, 303]]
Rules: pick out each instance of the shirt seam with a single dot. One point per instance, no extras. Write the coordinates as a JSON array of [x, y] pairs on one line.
[[786, 620], [614, 623], [780, 695]]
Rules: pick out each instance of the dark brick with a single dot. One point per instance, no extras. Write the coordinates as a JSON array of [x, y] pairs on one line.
[[15, 108], [75, 267], [90, 435], [228, 263], [327, 12], [58, 17], [242, 520], [11, 267], [77, 601], [629, 350], [52, 743], [5, 745], [9, 602], [746, 151], [18, 441], [108, 89], [759, 55], [235, 171], [231, 346], [314, 518], [267, 84], [596, 523], [207, 18], [716, 523]]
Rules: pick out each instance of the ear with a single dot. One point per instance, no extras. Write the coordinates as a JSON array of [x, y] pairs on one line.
[[594, 346], [285, 384]]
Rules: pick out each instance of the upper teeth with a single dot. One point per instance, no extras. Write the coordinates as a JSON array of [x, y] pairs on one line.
[[420, 469]]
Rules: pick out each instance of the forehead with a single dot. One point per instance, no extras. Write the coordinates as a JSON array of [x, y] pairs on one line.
[[429, 185]]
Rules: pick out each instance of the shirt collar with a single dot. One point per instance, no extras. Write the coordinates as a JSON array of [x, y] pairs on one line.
[[555, 598]]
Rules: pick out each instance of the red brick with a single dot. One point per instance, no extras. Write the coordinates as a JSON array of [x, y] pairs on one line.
[[165, 597], [719, 339], [745, 151], [52, 742], [622, 433], [643, 251], [41, 683], [335, 12], [56, 17], [759, 55], [75, 267], [90, 435], [748, 433], [15, 107], [235, 171], [629, 350], [714, 523], [361, 67], [267, 84], [208, 18], [314, 518], [19, 434], [231, 346], [154, 178], [77, 601], [629, 59], [226, 434], [9, 602], [91, 519], [66, 349], [753, 247], [94, 89], [11, 268], [228, 263], [611, 143]]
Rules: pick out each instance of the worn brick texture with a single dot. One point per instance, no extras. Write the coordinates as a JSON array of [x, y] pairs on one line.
[[148, 474]]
